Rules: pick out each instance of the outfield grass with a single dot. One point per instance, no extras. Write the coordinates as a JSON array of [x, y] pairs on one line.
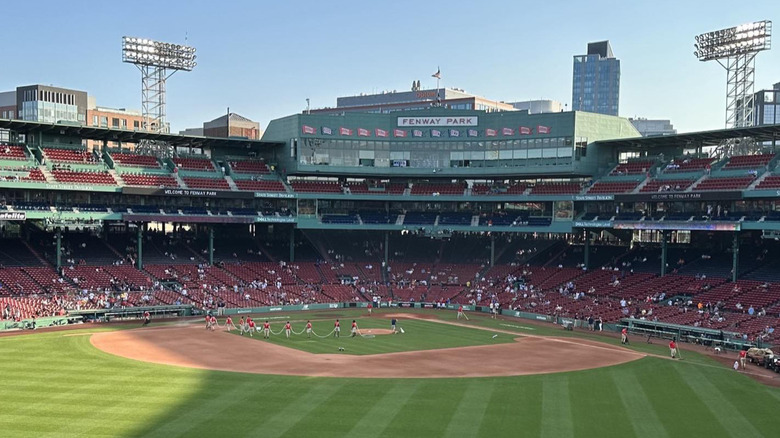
[[418, 335], [58, 385]]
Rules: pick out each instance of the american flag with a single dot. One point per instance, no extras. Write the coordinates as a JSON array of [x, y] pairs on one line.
[[454, 133], [541, 129], [364, 132], [381, 132], [490, 132], [508, 131], [524, 130], [308, 129], [435, 133], [327, 131], [417, 133], [345, 131], [473, 133], [399, 133]]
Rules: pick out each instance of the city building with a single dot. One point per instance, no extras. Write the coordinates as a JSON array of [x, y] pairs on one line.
[[232, 125], [114, 118], [192, 131], [42, 103], [653, 127], [596, 80], [767, 106], [540, 106], [416, 99]]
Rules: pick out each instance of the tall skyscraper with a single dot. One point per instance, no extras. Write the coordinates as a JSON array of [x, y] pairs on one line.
[[596, 84]]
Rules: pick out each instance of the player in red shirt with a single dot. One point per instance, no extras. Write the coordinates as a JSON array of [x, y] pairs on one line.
[[266, 330], [370, 307], [673, 348], [308, 329], [460, 311], [213, 322], [742, 358], [229, 323], [354, 328], [251, 326], [242, 326], [624, 336], [337, 329], [208, 321], [147, 318], [287, 329]]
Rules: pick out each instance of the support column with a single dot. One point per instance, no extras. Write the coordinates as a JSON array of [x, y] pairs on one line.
[[664, 238], [735, 264], [59, 249], [139, 261], [211, 245], [586, 251], [292, 245], [387, 248], [492, 250]]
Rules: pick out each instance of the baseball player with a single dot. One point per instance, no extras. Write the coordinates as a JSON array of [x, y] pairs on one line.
[[242, 326], [251, 324], [213, 322], [370, 307], [266, 330], [147, 318], [287, 329], [208, 321], [392, 325], [337, 329], [308, 329], [742, 358], [460, 311], [624, 336], [354, 328], [229, 324], [673, 348]]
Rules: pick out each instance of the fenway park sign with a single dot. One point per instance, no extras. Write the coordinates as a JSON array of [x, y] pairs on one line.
[[438, 121]]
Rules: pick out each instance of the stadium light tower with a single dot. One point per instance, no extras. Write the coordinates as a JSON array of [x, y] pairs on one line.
[[735, 49], [157, 62]]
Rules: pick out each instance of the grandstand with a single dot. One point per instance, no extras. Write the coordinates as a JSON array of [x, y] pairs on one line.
[[623, 227]]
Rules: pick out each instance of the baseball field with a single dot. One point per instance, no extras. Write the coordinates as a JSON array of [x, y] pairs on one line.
[[441, 377]]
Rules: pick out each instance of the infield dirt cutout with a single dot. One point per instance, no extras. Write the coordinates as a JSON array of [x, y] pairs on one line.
[[182, 346]]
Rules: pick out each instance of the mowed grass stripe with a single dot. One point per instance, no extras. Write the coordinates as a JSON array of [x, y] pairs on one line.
[[726, 413], [213, 405], [514, 406], [468, 417], [296, 410], [337, 416], [638, 408], [675, 400], [381, 414], [557, 418], [430, 411], [595, 405]]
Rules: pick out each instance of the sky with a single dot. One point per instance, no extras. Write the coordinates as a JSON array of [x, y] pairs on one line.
[[264, 58]]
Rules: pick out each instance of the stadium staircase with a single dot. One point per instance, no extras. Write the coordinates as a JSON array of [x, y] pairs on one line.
[[179, 180], [47, 174], [400, 219], [695, 183], [118, 178], [641, 185], [231, 183], [34, 252], [758, 181]]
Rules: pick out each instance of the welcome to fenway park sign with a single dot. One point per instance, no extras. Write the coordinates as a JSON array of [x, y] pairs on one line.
[[438, 121]]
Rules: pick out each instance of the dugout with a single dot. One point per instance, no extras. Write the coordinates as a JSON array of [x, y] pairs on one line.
[[695, 335]]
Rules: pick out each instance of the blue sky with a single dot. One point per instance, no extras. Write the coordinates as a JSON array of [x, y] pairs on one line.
[[263, 58]]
